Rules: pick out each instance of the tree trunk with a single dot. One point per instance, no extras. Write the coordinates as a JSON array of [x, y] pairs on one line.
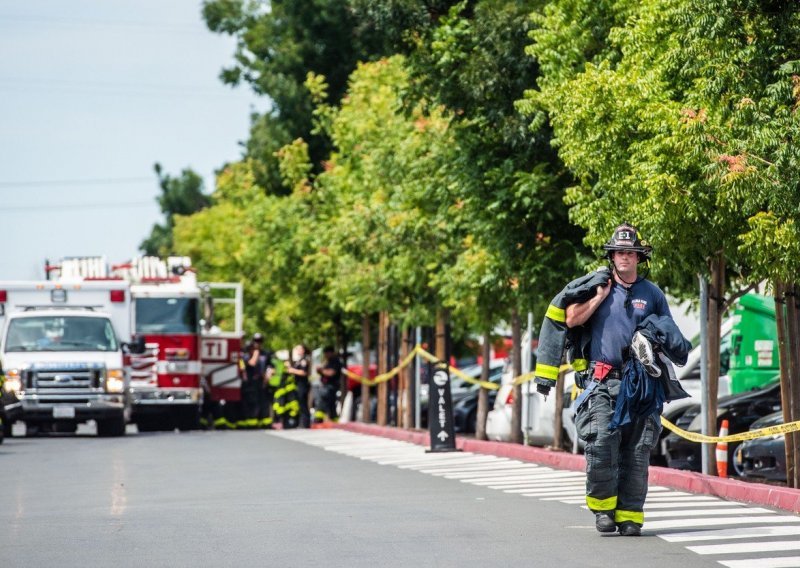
[[483, 394], [715, 298], [343, 381], [404, 409], [794, 374], [786, 386], [383, 351], [795, 381], [441, 336], [558, 419], [516, 362], [365, 358]]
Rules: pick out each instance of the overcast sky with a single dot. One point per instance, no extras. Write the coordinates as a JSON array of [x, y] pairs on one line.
[[92, 94]]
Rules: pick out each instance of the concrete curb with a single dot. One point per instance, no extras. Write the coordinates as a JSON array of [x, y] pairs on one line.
[[751, 493]]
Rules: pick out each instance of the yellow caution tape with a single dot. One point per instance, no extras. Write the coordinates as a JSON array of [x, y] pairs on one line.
[[457, 372], [749, 435], [383, 377], [418, 350]]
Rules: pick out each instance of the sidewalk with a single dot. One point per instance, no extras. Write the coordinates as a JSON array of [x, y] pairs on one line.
[[752, 493]]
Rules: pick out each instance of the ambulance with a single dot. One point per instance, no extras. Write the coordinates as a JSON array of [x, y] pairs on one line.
[[62, 347]]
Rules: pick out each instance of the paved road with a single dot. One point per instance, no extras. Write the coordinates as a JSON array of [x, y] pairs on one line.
[[303, 498]]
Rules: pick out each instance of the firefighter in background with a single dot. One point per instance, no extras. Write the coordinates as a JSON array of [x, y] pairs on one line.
[[286, 406], [617, 459], [330, 373], [255, 368], [300, 369]]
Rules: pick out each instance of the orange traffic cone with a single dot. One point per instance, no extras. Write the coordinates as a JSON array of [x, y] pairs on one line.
[[722, 451]]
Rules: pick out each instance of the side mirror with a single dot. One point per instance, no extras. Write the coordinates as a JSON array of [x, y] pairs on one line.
[[135, 347]]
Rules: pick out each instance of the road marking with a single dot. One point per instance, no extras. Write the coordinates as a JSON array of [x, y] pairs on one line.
[[552, 477], [489, 465], [468, 459], [738, 548], [781, 562], [668, 512], [467, 471], [684, 503], [709, 512], [678, 496], [531, 487], [711, 522], [553, 493], [726, 534]]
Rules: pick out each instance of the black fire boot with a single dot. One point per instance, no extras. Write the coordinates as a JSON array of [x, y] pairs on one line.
[[629, 528], [604, 522]]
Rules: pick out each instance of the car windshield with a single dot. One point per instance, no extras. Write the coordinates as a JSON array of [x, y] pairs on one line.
[[61, 333], [166, 315]]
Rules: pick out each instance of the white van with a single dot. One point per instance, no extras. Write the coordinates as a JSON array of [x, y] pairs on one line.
[[62, 355]]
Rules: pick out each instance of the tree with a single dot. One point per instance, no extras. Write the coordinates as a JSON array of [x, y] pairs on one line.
[[469, 58], [179, 196], [663, 110], [278, 43]]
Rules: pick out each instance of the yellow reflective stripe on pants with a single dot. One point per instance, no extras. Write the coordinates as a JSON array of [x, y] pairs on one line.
[[546, 371], [607, 504], [556, 314], [636, 516], [223, 422]]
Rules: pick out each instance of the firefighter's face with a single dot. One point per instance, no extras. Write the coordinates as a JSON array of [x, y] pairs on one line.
[[625, 260]]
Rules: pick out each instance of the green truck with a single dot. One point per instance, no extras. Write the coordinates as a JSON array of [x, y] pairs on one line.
[[754, 360]]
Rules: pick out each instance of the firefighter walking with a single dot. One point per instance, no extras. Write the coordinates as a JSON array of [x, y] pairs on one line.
[[601, 313]]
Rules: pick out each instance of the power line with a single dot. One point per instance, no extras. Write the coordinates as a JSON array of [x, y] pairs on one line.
[[82, 206], [150, 27], [56, 182], [214, 88]]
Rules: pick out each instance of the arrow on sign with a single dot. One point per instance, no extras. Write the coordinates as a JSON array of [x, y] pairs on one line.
[[442, 436]]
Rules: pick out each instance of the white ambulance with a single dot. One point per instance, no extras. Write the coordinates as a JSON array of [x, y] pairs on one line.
[[61, 347]]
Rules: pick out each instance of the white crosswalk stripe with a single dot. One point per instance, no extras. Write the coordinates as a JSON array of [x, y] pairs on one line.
[[755, 535]]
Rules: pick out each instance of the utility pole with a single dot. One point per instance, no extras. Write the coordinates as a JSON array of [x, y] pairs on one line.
[[516, 359], [383, 352], [365, 361]]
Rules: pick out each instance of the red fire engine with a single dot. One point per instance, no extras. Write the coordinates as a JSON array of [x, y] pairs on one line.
[[191, 331]]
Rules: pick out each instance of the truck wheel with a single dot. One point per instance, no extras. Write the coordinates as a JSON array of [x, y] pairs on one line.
[[188, 421], [111, 427]]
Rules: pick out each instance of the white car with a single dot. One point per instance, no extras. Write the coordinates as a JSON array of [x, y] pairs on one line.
[[538, 413]]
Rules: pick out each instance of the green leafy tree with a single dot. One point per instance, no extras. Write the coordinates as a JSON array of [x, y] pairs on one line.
[[384, 203], [181, 195], [278, 43]]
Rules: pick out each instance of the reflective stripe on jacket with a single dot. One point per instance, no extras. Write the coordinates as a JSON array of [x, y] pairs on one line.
[[554, 331]]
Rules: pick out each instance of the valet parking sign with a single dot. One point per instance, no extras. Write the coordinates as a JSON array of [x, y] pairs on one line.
[[440, 418]]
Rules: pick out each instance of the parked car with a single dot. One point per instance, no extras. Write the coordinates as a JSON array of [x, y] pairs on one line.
[[538, 414], [741, 410], [465, 410], [461, 389], [764, 458]]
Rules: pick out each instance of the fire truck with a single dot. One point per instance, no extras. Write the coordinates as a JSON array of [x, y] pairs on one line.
[[191, 333]]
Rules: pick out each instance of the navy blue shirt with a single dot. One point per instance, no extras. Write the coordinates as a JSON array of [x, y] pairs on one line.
[[613, 324]]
